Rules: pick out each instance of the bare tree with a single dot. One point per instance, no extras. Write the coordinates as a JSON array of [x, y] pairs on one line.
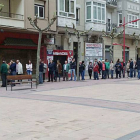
[[78, 35], [34, 24], [112, 35]]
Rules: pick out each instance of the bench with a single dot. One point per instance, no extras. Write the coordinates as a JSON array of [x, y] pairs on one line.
[[12, 79]]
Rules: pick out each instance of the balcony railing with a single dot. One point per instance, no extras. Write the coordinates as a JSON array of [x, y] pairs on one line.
[[112, 3], [110, 26], [11, 15]]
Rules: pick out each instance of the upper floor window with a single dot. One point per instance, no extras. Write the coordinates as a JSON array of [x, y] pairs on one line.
[[95, 12], [119, 19], [135, 1], [131, 18], [77, 15], [67, 8], [39, 11]]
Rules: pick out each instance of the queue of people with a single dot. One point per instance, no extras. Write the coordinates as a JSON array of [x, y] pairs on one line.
[[55, 70]]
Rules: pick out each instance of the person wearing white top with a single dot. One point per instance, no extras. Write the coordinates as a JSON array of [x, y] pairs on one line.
[[29, 68], [19, 69]]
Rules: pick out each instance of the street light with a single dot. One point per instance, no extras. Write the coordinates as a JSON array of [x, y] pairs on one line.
[[123, 25]]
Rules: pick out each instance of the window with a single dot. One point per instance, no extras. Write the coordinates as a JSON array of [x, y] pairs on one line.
[[119, 19], [131, 18], [77, 15], [98, 14], [67, 8], [39, 11], [135, 1]]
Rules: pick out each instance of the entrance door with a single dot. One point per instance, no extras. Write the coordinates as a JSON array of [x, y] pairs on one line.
[[61, 58], [126, 56]]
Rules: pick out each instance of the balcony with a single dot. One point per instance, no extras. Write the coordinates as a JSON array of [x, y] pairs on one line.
[[110, 26], [111, 4], [11, 20]]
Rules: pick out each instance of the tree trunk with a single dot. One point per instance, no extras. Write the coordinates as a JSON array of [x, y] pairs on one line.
[[78, 57], [38, 57]]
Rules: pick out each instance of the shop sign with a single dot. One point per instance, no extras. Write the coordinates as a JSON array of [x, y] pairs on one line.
[[49, 41], [60, 53], [93, 49]]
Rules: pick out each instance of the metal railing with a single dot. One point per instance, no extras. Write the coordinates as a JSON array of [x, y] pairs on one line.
[[112, 2], [12, 15], [110, 26]]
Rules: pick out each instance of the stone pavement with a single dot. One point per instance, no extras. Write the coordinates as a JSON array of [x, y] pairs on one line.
[[85, 110]]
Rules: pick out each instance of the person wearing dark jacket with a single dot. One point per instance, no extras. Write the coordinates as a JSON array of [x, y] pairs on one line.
[[41, 69], [100, 67], [51, 70], [72, 69], [13, 68], [81, 69], [131, 68], [138, 68], [118, 69], [83, 74], [3, 72], [90, 69]]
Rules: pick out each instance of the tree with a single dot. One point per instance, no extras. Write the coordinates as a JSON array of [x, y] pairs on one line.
[[34, 24], [1, 6], [112, 35], [78, 36]]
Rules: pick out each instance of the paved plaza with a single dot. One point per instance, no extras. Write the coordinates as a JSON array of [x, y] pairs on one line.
[[85, 110]]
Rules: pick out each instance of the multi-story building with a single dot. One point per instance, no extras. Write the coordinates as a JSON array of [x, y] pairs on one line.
[[18, 39]]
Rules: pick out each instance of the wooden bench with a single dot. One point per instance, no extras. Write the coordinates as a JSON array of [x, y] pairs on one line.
[[12, 79]]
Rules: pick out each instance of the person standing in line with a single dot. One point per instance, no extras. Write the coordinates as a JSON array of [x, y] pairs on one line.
[[123, 68], [59, 69], [128, 69], [19, 69], [41, 68], [73, 68], [96, 70], [3, 72], [50, 70], [135, 68], [55, 73], [131, 68], [90, 69], [138, 68], [118, 69], [100, 67], [44, 70], [83, 74], [66, 68], [107, 68], [112, 69], [103, 70], [81, 68], [29, 68], [13, 67]]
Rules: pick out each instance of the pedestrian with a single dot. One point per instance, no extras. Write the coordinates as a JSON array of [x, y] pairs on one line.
[[29, 68], [135, 68], [13, 67], [19, 69], [83, 74], [118, 69], [128, 68], [96, 70], [123, 68], [107, 68], [131, 68], [50, 71], [103, 70], [72, 69], [66, 68], [100, 67], [41, 68], [112, 69], [44, 70], [55, 73], [81, 68], [3, 72], [59, 69], [90, 69], [138, 68]]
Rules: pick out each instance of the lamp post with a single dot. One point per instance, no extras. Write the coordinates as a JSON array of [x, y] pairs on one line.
[[123, 25]]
